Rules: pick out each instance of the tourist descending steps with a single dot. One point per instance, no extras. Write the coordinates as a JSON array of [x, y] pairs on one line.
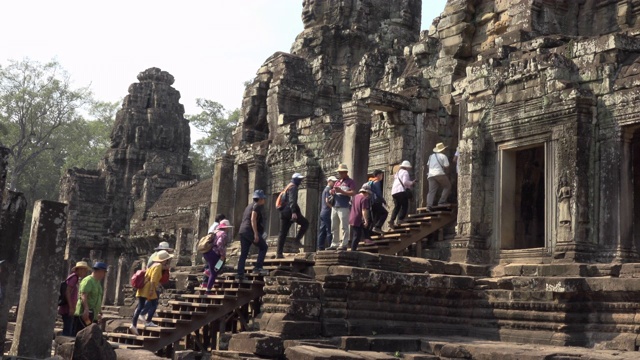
[[325, 237], [89, 305], [378, 203], [252, 232], [290, 213], [148, 293], [67, 305], [359, 218], [438, 164], [163, 280], [402, 192], [342, 192], [218, 252]]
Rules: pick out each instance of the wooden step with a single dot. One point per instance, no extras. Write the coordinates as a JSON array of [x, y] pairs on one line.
[[389, 236], [420, 220], [422, 216], [159, 320], [380, 242], [413, 225]]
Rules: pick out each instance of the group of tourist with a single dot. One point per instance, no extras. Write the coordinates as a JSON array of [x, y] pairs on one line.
[[82, 299], [345, 215]]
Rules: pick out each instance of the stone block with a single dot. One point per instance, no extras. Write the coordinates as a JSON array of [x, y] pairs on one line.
[[372, 355], [259, 343], [91, 345], [354, 343], [184, 355], [306, 352], [400, 343], [127, 354], [455, 352]]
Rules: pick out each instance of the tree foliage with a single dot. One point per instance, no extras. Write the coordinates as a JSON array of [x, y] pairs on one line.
[[217, 124], [36, 102]]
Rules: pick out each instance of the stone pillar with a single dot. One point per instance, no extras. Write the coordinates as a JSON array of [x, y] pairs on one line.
[[4, 161], [182, 246], [200, 228], [110, 283], [308, 200], [222, 188], [39, 294], [616, 208], [355, 142], [470, 243], [257, 176], [122, 278], [574, 240], [11, 224]]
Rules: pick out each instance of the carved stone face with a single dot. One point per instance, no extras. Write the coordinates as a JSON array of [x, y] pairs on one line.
[[311, 11]]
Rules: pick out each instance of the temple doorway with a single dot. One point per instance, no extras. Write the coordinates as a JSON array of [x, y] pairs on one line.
[[522, 198]]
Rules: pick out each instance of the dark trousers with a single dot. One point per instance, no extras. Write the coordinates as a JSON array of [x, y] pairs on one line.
[[400, 206], [358, 233], [212, 258], [379, 215], [325, 236], [245, 245], [67, 325], [78, 323], [285, 225]]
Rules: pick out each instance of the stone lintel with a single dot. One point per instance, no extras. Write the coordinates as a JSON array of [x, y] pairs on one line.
[[382, 100]]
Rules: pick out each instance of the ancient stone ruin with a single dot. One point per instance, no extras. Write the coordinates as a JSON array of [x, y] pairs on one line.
[[541, 250]]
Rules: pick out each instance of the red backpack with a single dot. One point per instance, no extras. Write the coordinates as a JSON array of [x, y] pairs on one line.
[[138, 280]]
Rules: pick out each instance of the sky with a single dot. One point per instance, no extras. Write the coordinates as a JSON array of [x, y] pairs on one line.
[[210, 47]]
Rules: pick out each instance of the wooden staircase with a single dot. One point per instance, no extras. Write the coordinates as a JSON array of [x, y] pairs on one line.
[[191, 312], [412, 230]]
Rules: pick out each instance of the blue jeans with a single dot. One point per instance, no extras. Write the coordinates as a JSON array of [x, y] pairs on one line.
[[150, 307], [245, 244], [325, 236], [67, 325]]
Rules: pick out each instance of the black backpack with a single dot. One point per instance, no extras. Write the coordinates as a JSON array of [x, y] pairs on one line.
[[62, 298]]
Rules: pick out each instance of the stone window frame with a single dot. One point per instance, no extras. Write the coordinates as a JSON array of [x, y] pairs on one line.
[[502, 149]]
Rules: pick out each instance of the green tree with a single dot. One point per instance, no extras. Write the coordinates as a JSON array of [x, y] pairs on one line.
[[36, 101], [217, 124]]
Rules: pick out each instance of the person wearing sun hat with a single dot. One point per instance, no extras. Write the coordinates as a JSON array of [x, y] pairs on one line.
[[401, 182], [165, 275], [89, 305], [342, 191], [152, 276], [359, 217], [67, 305], [218, 251], [438, 164], [325, 237]]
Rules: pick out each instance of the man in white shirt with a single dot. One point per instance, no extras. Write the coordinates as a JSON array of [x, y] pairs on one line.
[[437, 178]]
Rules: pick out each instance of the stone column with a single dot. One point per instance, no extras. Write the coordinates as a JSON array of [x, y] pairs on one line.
[[616, 208], [39, 294], [11, 225], [355, 141], [470, 243], [308, 200], [574, 240], [223, 187], [122, 277], [200, 228], [257, 176], [4, 161]]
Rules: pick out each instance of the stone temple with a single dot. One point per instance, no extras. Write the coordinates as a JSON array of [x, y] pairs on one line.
[[538, 97]]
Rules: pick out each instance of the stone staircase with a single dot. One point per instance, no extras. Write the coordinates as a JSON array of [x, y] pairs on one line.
[[412, 230], [190, 312]]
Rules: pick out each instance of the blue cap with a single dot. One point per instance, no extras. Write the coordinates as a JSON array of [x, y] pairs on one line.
[[259, 194], [100, 266]]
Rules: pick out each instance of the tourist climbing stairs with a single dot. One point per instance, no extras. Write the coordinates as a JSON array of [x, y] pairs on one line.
[[191, 312], [415, 228]]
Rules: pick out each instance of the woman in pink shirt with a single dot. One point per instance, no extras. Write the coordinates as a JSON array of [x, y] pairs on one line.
[[402, 181], [217, 252]]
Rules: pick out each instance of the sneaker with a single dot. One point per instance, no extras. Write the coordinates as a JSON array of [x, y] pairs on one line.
[[150, 324], [279, 256], [391, 225], [133, 330], [369, 242], [377, 230], [332, 247], [430, 209], [261, 272]]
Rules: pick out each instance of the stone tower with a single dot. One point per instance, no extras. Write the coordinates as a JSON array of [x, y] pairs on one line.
[[149, 153]]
